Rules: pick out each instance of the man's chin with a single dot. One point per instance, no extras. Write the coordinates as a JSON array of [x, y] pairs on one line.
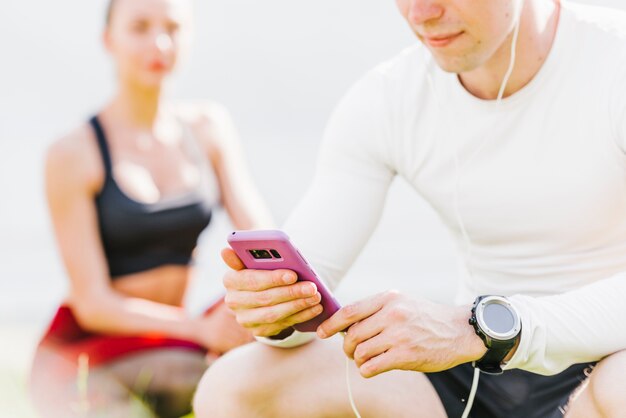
[[454, 64]]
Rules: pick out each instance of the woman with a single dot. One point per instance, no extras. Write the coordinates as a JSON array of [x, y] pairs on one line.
[[129, 193]]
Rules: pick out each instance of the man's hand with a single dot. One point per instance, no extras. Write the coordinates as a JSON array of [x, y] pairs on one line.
[[267, 302], [390, 331]]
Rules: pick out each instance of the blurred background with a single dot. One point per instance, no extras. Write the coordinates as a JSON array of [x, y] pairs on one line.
[[278, 65]]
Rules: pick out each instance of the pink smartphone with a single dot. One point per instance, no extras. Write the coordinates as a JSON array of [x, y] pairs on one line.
[[272, 250]]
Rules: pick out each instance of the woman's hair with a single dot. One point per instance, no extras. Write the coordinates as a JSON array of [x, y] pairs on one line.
[[109, 12]]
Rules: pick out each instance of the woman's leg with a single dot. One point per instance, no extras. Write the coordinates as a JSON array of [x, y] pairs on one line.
[[60, 390], [165, 379]]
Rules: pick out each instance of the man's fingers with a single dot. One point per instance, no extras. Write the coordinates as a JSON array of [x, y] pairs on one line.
[[247, 300], [304, 315], [361, 332], [379, 364], [232, 260], [251, 318], [371, 348], [352, 314], [257, 280], [290, 321]]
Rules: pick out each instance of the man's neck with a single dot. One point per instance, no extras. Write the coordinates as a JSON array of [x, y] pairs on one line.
[[538, 27]]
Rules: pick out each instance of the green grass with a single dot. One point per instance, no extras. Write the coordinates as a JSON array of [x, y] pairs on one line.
[[14, 401], [15, 359], [18, 343]]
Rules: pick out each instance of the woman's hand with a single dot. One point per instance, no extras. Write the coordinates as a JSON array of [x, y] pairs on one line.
[[219, 331], [391, 331]]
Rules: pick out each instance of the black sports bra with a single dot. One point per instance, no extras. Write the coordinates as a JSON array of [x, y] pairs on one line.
[[140, 236]]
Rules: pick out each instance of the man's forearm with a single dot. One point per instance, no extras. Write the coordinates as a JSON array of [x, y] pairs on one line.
[[575, 327], [469, 346]]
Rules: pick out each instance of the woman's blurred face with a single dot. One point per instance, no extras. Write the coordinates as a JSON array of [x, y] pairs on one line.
[[146, 38]]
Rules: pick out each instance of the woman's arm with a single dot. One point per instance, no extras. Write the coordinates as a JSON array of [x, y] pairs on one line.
[[74, 174], [240, 197]]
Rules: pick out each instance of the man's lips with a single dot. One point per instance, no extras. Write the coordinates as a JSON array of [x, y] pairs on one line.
[[439, 41]]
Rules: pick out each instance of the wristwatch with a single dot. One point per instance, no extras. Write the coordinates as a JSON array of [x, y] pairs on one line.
[[497, 323]]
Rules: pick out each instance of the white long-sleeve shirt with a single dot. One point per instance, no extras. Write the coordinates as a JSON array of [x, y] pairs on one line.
[[541, 184]]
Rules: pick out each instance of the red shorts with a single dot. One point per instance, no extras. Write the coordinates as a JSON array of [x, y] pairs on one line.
[[71, 341]]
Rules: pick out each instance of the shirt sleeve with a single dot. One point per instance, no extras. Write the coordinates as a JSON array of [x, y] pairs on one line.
[[617, 106], [580, 326], [587, 324], [343, 205], [296, 339], [338, 214]]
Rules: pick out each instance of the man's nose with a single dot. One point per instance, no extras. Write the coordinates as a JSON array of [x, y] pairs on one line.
[[423, 11]]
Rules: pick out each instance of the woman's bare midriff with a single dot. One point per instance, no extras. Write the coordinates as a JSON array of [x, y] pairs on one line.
[[165, 284]]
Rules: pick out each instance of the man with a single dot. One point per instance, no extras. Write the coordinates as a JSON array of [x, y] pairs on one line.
[[523, 157]]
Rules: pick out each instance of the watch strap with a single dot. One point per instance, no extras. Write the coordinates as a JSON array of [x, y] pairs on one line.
[[491, 362], [497, 350]]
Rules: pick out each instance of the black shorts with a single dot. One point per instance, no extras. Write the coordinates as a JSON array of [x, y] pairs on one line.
[[513, 394]]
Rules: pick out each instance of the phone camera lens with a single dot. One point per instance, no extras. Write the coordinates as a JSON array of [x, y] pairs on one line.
[[260, 254], [275, 253]]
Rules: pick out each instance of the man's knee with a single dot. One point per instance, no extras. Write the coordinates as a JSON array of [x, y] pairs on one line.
[[606, 385], [234, 385], [216, 388]]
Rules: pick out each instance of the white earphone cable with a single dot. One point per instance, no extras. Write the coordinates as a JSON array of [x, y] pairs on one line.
[[350, 396], [352, 404], [472, 394], [458, 170], [457, 210], [505, 81]]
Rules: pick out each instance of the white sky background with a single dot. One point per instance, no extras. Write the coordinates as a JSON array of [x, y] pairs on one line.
[[279, 65]]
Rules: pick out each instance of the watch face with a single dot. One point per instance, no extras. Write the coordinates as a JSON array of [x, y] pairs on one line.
[[498, 318]]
